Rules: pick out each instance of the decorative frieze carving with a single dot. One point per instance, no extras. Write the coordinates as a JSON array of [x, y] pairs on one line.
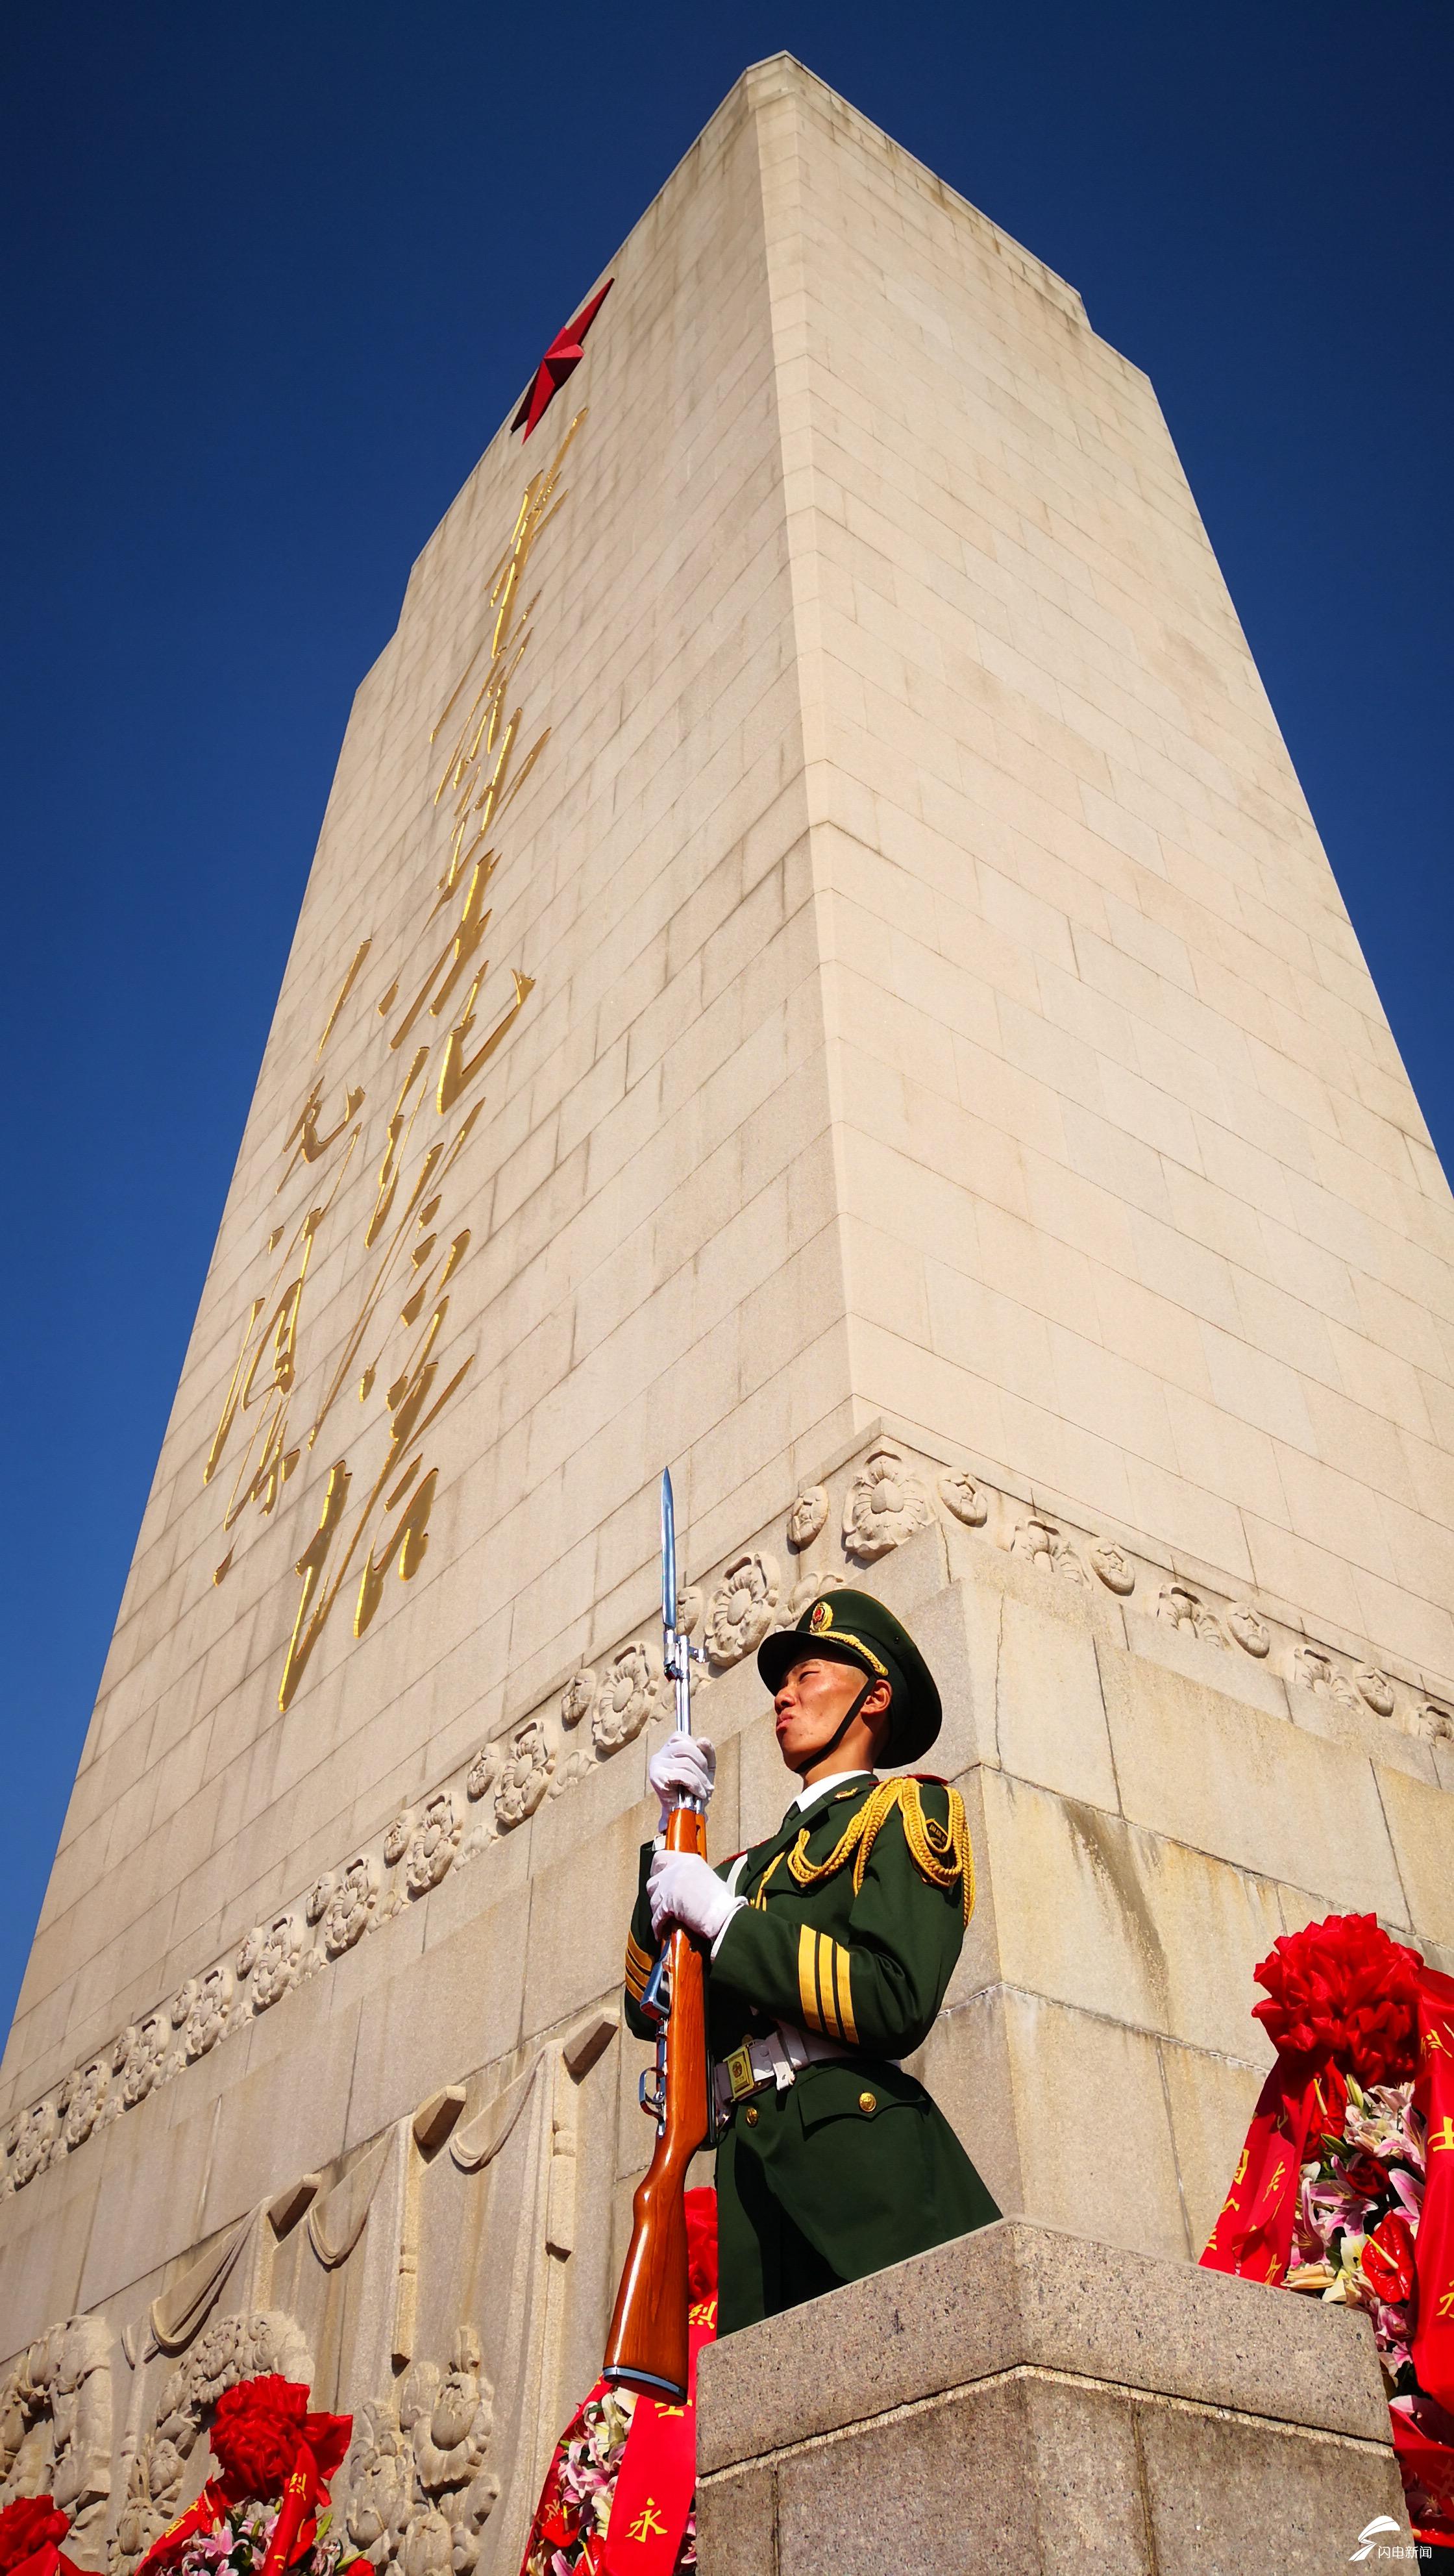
[[964, 1498], [350, 1908], [206, 2017], [1113, 1565], [632, 1688], [579, 1696], [807, 1515], [278, 1961], [483, 1772], [87, 2103], [524, 1776], [809, 1589], [142, 2049], [31, 2140], [230, 2349], [886, 1504], [1042, 1541], [419, 2489], [888, 1494], [1252, 1634], [55, 2423], [742, 1608], [1182, 1608], [433, 1844]]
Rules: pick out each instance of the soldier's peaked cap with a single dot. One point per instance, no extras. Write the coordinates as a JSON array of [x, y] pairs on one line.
[[852, 1628]]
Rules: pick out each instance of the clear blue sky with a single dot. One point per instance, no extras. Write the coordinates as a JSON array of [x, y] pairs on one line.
[[275, 273]]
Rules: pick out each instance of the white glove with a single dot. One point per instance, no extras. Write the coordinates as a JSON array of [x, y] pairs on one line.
[[683, 1888], [684, 1767]]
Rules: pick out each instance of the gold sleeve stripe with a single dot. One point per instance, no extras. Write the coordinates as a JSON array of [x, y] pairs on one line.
[[808, 1976], [823, 1970], [636, 1957], [842, 1966], [823, 1984]]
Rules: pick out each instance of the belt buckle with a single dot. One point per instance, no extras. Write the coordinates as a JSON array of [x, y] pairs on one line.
[[740, 2077]]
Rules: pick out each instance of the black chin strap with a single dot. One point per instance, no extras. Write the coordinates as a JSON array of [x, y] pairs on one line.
[[837, 1737]]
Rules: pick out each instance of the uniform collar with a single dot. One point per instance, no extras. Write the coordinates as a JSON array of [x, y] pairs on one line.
[[822, 1789]]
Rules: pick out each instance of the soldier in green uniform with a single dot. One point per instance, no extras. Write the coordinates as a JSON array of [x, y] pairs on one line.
[[829, 1949]]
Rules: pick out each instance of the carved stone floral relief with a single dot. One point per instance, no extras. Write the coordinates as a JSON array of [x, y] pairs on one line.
[[231, 2348], [964, 1498], [807, 1515], [207, 2019], [398, 1838], [1113, 1565], [742, 1608], [1042, 1542], [88, 2101], [1182, 1608], [433, 1844], [55, 2424], [810, 1588], [349, 1910], [140, 2056], [524, 1775], [886, 1505], [420, 2491], [31, 2141], [278, 1959], [1252, 1633], [632, 1690], [579, 1697]]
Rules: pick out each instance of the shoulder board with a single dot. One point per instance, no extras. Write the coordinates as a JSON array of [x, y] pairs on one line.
[[928, 1779]]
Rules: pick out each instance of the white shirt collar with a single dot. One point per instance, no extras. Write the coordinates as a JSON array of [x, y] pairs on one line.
[[820, 1788]]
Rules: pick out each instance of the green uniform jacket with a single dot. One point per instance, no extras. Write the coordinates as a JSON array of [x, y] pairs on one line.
[[853, 2166]]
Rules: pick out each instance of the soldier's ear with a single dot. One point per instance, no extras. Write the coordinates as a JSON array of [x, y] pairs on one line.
[[878, 1707]]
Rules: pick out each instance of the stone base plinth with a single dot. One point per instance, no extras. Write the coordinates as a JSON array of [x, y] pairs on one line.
[[1028, 2400]]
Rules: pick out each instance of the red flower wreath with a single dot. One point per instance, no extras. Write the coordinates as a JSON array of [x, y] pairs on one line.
[[30, 2525], [256, 2431], [1342, 1989]]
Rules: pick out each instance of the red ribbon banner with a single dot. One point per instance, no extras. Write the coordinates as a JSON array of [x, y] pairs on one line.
[[1433, 2344], [658, 2471]]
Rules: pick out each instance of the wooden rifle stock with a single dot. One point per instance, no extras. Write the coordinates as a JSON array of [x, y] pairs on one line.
[[647, 2345]]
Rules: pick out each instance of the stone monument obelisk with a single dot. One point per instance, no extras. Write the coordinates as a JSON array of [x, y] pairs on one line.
[[817, 971]]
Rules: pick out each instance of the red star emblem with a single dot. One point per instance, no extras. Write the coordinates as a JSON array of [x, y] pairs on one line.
[[560, 360]]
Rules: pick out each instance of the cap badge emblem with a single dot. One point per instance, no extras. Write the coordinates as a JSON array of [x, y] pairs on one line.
[[821, 1617]]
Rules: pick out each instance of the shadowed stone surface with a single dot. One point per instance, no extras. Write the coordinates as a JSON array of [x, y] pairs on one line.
[[1027, 2400]]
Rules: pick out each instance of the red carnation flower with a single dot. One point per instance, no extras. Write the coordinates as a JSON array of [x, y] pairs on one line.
[[255, 2434], [26, 2525], [1342, 1989]]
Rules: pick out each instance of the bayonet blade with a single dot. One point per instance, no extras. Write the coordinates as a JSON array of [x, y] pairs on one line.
[[668, 1556]]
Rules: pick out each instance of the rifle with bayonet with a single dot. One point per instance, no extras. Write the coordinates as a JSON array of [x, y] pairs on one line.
[[647, 2345]]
